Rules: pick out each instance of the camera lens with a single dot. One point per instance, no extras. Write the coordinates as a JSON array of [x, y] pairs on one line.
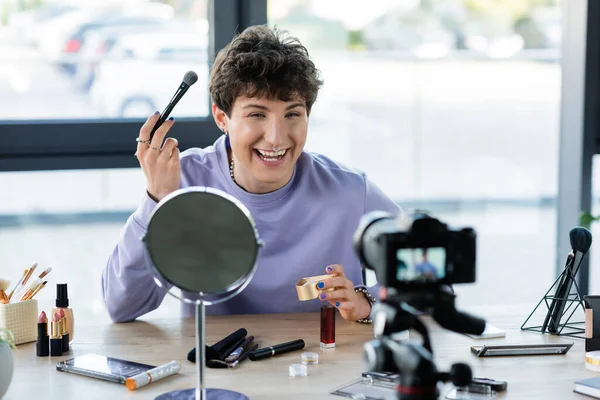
[[378, 357], [366, 238]]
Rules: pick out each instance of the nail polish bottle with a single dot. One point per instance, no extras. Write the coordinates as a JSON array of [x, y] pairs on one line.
[[62, 302], [327, 326], [55, 336]]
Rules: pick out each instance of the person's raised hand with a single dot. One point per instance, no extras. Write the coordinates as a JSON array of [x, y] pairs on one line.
[[160, 164], [352, 305]]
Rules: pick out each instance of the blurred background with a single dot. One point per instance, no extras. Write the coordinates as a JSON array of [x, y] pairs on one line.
[[450, 106]]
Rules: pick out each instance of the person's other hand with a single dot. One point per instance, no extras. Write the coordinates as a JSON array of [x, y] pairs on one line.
[[352, 305], [161, 166]]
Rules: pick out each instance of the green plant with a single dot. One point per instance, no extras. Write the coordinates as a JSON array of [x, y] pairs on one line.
[[355, 40], [586, 219], [5, 10], [6, 336]]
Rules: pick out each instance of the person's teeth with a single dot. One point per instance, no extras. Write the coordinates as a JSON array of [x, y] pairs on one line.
[[272, 153]]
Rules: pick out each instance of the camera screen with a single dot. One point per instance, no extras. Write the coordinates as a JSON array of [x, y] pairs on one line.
[[421, 264]]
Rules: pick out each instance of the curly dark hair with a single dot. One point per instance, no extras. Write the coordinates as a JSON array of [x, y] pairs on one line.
[[263, 62]]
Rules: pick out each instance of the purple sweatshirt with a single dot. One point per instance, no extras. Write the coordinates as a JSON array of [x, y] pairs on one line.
[[306, 225]]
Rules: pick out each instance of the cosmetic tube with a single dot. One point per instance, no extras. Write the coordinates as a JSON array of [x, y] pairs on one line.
[[64, 333], [271, 351], [153, 375], [55, 337], [327, 326], [42, 345]]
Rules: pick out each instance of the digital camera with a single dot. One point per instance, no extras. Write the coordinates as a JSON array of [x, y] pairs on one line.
[[415, 251], [415, 258]]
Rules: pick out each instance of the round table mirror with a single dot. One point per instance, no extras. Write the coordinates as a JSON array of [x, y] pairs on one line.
[[204, 242]]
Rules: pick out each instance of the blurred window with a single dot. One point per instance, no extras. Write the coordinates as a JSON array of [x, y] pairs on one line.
[[451, 106], [57, 61]]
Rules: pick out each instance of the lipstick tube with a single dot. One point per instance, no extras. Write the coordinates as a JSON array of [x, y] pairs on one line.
[[327, 326], [42, 345], [55, 338], [65, 335], [153, 375]]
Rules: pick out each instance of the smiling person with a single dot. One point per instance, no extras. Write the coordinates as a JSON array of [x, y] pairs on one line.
[[306, 206]]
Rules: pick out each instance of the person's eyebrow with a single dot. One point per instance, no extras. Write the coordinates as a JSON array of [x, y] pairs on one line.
[[251, 105], [295, 105], [261, 107]]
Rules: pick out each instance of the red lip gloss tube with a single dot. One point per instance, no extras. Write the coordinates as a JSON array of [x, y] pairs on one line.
[[327, 326]]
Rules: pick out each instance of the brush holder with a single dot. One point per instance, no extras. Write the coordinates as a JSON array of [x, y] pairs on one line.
[[21, 319]]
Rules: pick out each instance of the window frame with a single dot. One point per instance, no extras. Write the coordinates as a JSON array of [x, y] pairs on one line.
[[579, 128], [29, 145]]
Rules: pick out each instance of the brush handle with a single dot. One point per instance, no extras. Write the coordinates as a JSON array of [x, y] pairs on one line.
[[12, 292], [37, 290]]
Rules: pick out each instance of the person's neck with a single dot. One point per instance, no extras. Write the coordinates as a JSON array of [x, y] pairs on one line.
[[244, 180]]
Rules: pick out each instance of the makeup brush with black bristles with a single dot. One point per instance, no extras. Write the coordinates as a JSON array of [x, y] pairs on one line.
[[189, 79], [581, 241]]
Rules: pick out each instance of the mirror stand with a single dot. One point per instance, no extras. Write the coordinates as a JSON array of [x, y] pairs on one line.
[[190, 231], [200, 392]]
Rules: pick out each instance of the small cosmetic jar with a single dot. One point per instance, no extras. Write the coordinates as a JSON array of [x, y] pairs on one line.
[[298, 370], [310, 358], [592, 360]]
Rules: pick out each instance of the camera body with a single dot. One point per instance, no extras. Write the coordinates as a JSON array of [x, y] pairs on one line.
[[416, 258], [415, 252]]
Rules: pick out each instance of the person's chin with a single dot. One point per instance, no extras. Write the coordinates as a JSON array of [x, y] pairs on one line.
[[272, 176]]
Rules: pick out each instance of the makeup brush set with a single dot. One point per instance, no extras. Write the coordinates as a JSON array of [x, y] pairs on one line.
[[18, 307], [26, 287], [236, 347], [228, 352]]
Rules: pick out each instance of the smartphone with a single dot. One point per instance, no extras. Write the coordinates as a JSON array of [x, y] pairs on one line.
[[102, 367]]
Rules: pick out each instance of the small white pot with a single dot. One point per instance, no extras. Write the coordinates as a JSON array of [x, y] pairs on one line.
[[6, 368]]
